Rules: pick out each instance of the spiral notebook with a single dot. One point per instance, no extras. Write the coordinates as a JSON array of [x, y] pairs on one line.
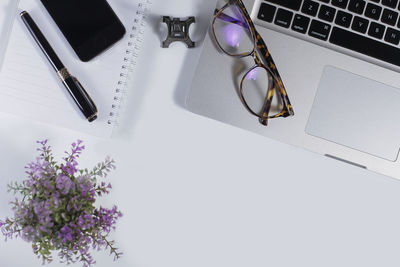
[[29, 86]]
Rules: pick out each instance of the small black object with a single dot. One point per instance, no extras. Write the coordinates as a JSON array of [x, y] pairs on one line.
[[178, 31]]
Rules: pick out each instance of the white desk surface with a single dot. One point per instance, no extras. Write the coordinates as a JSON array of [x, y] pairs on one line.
[[195, 192]]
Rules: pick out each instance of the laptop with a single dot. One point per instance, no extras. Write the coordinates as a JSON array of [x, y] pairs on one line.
[[339, 61]]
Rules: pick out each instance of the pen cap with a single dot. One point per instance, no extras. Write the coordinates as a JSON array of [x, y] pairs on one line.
[[81, 98]]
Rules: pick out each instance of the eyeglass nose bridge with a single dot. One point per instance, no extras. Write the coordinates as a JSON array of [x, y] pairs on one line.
[[256, 57]]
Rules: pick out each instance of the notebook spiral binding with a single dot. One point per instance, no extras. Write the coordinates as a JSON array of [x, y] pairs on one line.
[[130, 60]]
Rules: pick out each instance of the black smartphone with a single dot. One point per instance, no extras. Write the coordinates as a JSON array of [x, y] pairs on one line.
[[90, 26]]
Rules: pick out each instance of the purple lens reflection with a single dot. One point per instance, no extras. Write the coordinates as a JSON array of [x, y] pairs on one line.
[[233, 34], [253, 74]]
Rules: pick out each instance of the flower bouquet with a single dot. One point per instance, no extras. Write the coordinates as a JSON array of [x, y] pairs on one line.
[[57, 212]]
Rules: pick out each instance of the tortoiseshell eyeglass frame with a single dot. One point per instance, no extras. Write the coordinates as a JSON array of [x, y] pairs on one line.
[[260, 49]]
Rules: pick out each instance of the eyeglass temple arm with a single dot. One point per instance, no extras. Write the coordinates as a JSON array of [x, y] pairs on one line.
[[267, 105], [262, 47], [230, 19]]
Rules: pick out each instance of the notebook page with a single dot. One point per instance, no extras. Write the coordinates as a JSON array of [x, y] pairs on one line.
[[30, 87]]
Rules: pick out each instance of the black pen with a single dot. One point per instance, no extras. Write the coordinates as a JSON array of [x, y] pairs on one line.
[[74, 87]]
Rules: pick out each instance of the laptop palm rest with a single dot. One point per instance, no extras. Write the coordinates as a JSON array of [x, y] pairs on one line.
[[357, 112]]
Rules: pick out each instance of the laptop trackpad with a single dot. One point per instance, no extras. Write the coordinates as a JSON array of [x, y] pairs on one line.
[[357, 112]]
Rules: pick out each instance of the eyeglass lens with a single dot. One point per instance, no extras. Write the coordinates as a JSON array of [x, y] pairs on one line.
[[255, 88], [233, 32]]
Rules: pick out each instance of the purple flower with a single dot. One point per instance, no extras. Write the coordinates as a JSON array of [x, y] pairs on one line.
[[64, 184], [65, 234]]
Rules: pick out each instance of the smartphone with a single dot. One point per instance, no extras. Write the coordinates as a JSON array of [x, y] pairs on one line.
[[90, 26]]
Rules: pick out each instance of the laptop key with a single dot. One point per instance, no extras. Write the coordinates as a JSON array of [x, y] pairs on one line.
[[300, 23], [389, 17], [357, 6], [343, 19], [266, 12], [360, 24], [290, 4], [373, 11], [392, 36], [376, 30], [319, 30], [310, 8], [283, 18], [390, 3], [340, 3], [365, 45], [327, 13]]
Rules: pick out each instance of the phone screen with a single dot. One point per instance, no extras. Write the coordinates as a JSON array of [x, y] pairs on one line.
[[90, 26]]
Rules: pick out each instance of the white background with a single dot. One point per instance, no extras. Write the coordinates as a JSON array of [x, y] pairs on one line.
[[195, 192]]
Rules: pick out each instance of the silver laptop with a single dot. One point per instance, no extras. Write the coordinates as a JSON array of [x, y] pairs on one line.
[[339, 61]]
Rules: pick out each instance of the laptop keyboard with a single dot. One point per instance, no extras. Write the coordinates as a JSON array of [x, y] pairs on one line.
[[368, 27]]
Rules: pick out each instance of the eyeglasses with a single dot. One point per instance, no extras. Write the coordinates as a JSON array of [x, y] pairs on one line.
[[236, 36]]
